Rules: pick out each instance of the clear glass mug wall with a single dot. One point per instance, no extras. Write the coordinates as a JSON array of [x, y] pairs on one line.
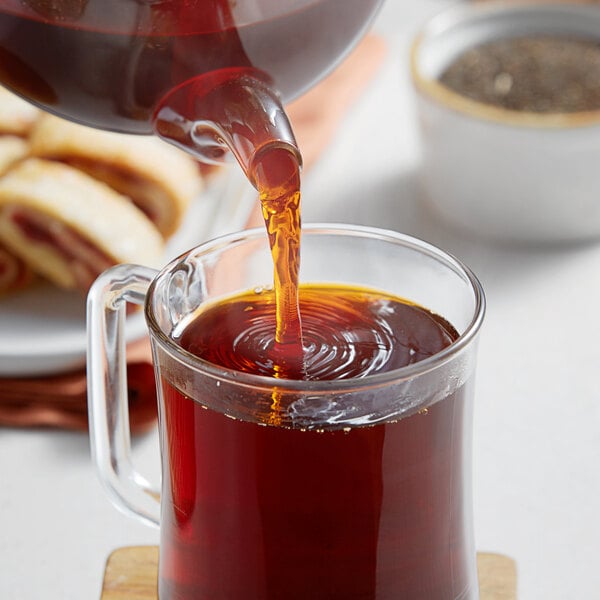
[[208, 75], [361, 490]]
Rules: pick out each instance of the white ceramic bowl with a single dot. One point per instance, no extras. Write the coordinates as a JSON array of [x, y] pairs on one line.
[[502, 174]]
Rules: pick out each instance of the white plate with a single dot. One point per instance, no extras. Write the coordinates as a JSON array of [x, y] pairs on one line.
[[42, 329]]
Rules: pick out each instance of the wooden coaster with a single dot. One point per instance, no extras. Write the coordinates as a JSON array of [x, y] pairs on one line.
[[131, 575]]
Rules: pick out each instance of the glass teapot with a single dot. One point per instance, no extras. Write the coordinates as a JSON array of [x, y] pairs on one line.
[[207, 75]]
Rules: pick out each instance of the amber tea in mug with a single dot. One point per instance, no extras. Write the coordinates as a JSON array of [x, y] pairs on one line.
[[349, 476]]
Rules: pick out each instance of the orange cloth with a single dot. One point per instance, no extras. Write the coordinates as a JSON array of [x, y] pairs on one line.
[[60, 400]]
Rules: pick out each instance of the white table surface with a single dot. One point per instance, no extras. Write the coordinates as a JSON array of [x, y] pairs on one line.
[[537, 418]]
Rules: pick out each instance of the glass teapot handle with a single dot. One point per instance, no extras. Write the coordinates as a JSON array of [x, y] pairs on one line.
[[107, 389]]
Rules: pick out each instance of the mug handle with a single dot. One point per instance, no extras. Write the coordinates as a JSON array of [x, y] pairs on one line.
[[107, 389]]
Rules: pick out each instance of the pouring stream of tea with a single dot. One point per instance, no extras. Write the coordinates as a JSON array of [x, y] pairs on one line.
[[277, 177]]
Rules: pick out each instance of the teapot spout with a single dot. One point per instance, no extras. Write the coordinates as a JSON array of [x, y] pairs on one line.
[[236, 110]]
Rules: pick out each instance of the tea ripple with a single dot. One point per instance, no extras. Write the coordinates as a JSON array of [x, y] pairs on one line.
[[346, 333]]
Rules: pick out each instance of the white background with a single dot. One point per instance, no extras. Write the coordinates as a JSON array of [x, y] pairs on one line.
[[537, 418]]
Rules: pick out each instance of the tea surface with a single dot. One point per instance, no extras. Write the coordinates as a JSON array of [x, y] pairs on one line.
[[347, 332]]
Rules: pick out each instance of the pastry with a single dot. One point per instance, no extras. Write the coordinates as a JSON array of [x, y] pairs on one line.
[[12, 150], [69, 227], [17, 116], [14, 273], [159, 179], [16, 120]]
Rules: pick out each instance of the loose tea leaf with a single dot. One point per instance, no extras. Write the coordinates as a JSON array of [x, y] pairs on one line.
[[542, 74]]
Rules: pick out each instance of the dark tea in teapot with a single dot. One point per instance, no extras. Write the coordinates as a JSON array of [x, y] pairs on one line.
[[109, 63]]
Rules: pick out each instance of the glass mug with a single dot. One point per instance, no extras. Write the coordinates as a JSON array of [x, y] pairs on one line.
[[363, 490]]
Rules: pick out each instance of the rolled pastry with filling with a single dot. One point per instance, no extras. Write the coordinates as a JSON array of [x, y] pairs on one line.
[[158, 178], [17, 117], [69, 227], [12, 150], [14, 272]]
